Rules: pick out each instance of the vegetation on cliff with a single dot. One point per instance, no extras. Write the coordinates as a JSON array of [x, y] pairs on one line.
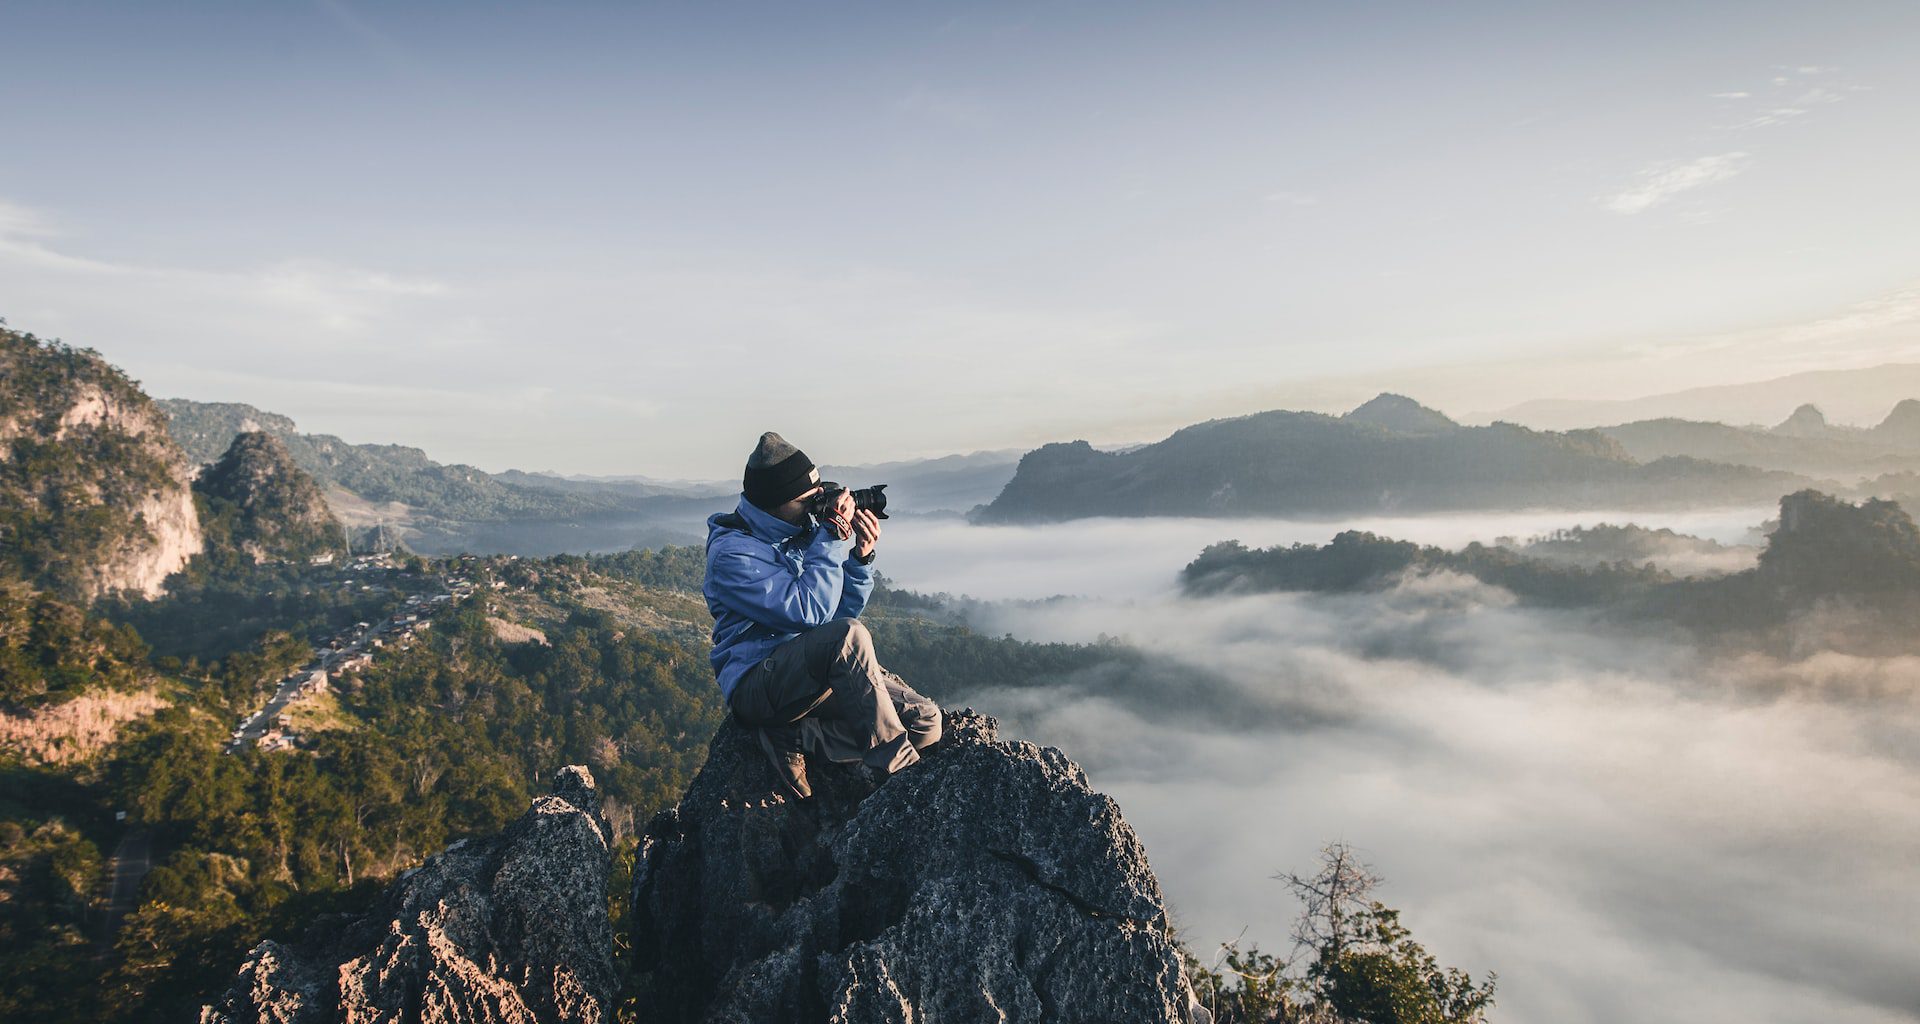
[[93, 494], [261, 504]]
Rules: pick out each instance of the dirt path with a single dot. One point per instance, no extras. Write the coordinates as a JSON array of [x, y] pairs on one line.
[[132, 859]]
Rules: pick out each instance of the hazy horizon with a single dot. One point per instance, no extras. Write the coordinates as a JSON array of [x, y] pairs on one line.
[[619, 240]]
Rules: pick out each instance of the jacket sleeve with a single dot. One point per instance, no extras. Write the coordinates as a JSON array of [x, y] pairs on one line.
[[857, 588], [751, 579]]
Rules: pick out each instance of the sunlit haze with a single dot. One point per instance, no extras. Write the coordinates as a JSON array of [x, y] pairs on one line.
[[612, 239]]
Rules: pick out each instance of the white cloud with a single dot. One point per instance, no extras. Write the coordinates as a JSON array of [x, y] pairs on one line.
[[1895, 309], [1624, 828], [1790, 97], [1661, 182], [18, 221]]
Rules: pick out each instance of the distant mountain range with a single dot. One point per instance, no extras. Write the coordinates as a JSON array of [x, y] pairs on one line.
[[949, 483], [1848, 396], [1804, 442], [1389, 455], [436, 508]]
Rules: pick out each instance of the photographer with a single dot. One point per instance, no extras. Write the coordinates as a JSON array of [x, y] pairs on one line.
[[788, 573]]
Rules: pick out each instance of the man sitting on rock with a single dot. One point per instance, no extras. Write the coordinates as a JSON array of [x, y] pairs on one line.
[[793, 659]]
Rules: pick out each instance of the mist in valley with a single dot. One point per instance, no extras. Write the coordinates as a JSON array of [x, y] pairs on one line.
[[1622, 824]]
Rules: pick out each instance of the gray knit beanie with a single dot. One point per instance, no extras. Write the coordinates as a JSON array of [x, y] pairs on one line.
[[777, 472]]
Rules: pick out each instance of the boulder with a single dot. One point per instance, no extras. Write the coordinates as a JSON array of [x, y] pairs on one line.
[[987, 882], [510, 928]]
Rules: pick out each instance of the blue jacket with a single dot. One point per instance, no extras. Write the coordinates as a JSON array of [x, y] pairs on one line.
[[767, 580]]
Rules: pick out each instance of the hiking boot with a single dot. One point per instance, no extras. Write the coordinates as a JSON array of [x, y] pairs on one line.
[[782, 744]]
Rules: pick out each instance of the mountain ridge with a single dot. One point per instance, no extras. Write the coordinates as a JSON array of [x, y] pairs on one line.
[[1861, 395], [1284, 462]]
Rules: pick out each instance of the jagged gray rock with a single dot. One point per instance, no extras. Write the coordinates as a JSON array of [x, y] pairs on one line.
[[511, 928], [988, 882]]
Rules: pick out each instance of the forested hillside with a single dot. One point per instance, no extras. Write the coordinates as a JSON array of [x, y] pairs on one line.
[[599, 661], [260, 503], [1848, 574], [373, 472]]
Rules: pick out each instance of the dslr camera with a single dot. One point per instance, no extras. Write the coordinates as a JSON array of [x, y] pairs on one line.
[[873, 499]]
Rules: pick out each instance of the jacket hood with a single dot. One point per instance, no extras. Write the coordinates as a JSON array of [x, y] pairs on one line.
[[757, 521]]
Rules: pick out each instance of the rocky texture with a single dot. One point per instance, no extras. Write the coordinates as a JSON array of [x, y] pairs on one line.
[[512, 928], [74, 730], [515, 633], [266, 506], [94, 494], [987, 882]]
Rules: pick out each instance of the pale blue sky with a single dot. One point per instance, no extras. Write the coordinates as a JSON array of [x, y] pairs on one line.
[[609, 239]]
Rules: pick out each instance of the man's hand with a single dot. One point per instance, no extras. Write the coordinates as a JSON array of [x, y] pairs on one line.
[[866, 526], [840, 518]]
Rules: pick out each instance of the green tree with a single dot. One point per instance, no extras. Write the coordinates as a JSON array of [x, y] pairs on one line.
[[1362, 966]]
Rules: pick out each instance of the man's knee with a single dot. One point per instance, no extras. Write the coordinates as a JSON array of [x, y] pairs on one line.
[[926, 723], [851, 635]]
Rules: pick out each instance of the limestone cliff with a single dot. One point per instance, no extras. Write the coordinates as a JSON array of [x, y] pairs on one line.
[[94, 494]]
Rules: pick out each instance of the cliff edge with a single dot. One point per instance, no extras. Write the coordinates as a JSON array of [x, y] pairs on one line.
[[94, 495]]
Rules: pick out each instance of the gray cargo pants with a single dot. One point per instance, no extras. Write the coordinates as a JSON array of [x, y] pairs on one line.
[[848, 708]]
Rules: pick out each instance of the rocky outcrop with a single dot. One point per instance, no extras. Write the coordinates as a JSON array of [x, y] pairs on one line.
[[987, 882], [76, 730], [1402, 415], [1901, 428], [1806, 421], [93, 490], [267, 507], [512, 928]]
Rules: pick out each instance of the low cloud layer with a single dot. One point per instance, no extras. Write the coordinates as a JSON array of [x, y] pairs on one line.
[[1622, 827], [1137, 558]]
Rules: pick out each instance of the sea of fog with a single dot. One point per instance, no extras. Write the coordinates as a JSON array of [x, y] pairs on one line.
[[1624, 828], [1140, 557]]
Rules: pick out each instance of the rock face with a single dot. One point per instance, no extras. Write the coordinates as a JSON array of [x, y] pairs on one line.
[[987, 882], [93, 491], [507, 929]]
